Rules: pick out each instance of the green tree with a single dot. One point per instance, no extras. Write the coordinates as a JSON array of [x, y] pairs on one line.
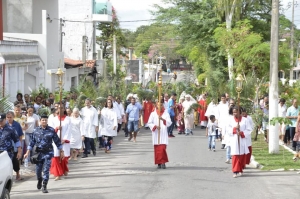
[[108, 30], [252, 54]]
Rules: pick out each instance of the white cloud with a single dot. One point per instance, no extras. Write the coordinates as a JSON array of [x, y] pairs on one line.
[[131, 10]]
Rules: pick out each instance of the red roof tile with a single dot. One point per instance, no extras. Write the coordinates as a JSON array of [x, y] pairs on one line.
[[90, 63], [72, 62]]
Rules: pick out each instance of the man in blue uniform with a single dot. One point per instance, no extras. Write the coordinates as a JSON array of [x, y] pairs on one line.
[[42, 138], [8, 136]]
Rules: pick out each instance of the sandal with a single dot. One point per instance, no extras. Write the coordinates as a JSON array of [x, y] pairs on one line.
[[19, 179]]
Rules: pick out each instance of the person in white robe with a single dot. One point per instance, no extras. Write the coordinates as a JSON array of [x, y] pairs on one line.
[[109, 124], [122, 112], [248, 136], [222, 117], [163, 119], [77, 134], [51, 118], [60, 167], [188, 117], [90, 127], [282, 109], [239, 128]]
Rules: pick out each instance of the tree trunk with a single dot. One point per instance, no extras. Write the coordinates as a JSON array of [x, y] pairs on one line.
[[256, 133], [273, 91], [229, 58]]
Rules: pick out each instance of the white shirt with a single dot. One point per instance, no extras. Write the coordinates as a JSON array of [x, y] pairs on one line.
[[31, 121], [154, 122], [212, 109], [109, 117], [90, 121], [239, 147], [211, 127], [222, 114], [282, 110], [117, 110], [37, 107]]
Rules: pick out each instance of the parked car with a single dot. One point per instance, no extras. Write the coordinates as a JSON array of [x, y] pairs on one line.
[[6, 175]]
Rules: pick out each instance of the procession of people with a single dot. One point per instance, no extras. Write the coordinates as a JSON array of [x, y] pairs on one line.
[[66, 134]]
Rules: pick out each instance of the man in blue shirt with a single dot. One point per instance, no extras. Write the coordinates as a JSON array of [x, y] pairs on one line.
[[292, 114], [171, 111], [133, 112], [17, 127]]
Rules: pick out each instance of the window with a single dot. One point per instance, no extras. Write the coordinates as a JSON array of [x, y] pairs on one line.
[[73, 82]]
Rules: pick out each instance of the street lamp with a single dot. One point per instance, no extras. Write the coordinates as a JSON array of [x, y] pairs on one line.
[[239, 84], [60, 74], [239, 87], [159, 102]]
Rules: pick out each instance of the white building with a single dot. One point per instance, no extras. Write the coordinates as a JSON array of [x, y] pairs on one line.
[[27, 20], [79, 19], [33, 28]]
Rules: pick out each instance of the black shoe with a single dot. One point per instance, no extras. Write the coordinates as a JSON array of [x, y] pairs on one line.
[[294, 148], [84, 156], [44, 189], [163, 166], [94, 152], [159, 166], [39, 184]]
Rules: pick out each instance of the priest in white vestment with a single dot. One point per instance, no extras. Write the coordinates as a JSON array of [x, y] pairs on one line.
[[90, 127], [163, 119]]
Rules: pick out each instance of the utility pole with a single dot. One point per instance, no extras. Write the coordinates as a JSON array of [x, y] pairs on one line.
[[273, 91], [292, 42], [115, 53], [94, 41], [84, 38], [1, 21], [61, 24]]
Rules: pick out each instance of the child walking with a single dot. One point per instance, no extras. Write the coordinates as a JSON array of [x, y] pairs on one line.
[[211, 133]]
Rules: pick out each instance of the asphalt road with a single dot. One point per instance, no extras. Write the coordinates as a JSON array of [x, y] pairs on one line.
[[128, 172]]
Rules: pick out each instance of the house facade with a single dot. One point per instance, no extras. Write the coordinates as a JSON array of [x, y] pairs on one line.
[[33, 48]]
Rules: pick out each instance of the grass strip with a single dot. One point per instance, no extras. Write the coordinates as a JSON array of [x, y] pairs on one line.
[[282, 160]]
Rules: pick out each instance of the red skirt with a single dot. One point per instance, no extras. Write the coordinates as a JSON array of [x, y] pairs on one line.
[[238, 163], [59, 167], [160, 154], [248, 156]]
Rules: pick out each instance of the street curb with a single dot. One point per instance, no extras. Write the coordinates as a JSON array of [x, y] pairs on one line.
[[286, 147], [255, 164]]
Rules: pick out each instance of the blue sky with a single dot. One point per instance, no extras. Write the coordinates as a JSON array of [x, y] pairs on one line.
[[130, 10]]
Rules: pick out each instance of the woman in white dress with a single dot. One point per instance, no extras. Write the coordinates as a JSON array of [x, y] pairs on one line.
[[188, 118], [77, 134], [60, 167], [32, 122], [110, 124]]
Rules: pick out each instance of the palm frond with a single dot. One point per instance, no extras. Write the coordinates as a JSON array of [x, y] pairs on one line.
[[193, 107]]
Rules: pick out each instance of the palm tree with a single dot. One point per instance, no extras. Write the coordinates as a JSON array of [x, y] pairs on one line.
[[229, 9]]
